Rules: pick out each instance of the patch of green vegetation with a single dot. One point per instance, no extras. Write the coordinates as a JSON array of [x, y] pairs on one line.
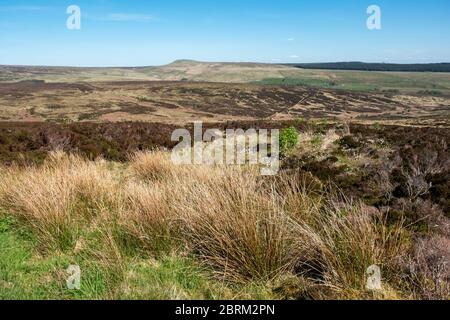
[[143, 99], [22, 274], [321, 83], [317, 140], [171, 278], [5, 224], [288, 139], [409, 220], [366, 81], [359, 87], [27, 274], [377, 126], [300, 121]]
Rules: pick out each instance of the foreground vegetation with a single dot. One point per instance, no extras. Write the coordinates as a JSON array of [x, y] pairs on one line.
[[146, 229]]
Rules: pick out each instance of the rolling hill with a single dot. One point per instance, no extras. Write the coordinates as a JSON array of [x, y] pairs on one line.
[[269, 74]]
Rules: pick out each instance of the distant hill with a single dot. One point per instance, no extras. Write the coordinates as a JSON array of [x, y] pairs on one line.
[[361, 66], [186, 70], [310, 75]]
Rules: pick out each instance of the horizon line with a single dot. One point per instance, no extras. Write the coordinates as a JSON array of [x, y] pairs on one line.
[[221, 62]]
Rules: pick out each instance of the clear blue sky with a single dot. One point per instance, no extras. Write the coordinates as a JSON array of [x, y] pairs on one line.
[[155, 32]]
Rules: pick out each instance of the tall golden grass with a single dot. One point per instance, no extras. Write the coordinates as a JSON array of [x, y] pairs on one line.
[[239, 224]]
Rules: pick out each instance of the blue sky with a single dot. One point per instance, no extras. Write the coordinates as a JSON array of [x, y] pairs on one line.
[[155, 32]]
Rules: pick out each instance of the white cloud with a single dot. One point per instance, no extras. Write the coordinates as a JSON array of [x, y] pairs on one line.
[[290, 39], [22, 8], [123, 17], [294, 56]]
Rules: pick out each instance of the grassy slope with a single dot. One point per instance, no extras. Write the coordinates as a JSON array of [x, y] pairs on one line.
[[410, 82]]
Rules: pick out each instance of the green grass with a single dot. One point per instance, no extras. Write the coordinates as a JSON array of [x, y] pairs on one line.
[[27, 274], [288, 139], [298, 82], [401, 82], [172, 278], [23, 274]]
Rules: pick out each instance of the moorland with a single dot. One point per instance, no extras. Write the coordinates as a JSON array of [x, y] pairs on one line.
[[86, 179]]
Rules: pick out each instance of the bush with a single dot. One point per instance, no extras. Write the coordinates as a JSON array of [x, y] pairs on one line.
[[288, 139]]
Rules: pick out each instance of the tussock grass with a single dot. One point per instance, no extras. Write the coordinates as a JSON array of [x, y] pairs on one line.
[[151, 166], [56, 199], [145, 217], [240, 226], [235, 227]]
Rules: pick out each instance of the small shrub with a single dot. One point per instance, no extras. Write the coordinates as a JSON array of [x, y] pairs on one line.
[[428, 268], [289, 138], [377, 126]]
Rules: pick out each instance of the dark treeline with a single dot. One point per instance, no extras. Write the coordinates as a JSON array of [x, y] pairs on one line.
[[430, 67]]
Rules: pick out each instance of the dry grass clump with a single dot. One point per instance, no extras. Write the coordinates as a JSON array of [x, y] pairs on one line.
[[57, 198], [348, 245], [337, 239], [234, 225], [145, 217], [153, 166], [157, 166]]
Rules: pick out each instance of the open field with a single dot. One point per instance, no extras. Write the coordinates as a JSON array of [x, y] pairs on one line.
[[187, 90], [182, 102]]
